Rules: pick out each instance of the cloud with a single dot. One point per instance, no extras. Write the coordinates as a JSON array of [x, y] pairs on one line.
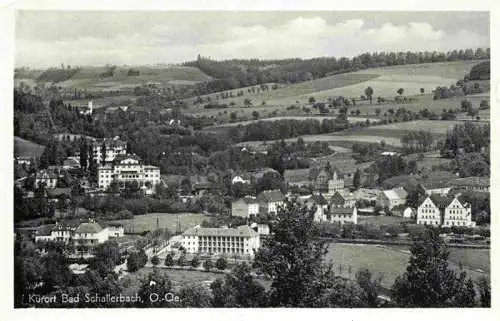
[[301, 36]]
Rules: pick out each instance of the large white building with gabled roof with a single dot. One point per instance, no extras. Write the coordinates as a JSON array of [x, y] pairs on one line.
[[129, 168]]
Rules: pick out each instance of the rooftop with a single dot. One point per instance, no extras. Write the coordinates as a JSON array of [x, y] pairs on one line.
[[470, 181], [90, 227], [274, 195], [213, 231]]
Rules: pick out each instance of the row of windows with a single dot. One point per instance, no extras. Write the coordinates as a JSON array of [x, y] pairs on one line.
[[221, 250]]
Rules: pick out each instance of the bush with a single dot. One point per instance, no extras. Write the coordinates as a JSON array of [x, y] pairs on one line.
[[155, 260], [208, 264], [169, 260], [221, 264], [195, 262]]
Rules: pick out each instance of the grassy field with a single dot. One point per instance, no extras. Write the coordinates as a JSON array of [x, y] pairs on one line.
[[88, 77], [391, 261], [381, 220], [385, 81], [147, 222], [23, 147]]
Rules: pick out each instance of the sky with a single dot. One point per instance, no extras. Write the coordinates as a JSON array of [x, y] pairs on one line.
[[49, 38]]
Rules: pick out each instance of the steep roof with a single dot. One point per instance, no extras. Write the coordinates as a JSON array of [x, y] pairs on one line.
[[88, 228], [274, 195], [248, 200], [318, 199], [438, 179], [314, 172], [342, 210], [396, 193], [59, 191], [213, 231], [337, 199], [440, 201]]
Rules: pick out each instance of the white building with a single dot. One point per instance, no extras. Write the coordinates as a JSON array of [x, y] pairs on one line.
[[271, 200], [46, 177], [408, 212], [393, 197], [340, 215], [240, 179], [83, 236], [244, 207], [113, 147], [129, 168], [242, 240], [444, 211]]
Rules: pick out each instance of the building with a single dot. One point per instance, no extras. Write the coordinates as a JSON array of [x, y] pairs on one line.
[[129, 168], [345, 200], [242, 240], [49, 178], [82, 236], [262, 229], [393, 197], [271, 200], [444, 211], [85, 110], [320, 203], [71, 163], [240, 179], [340, 215], [244, 207], [471, 184], [366, 194], [326, 181], [439, 189], [24, 160], [113, 147], [409, 213]]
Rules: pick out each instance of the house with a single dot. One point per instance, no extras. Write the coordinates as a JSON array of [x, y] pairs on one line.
[[111, 147], [244, 207], [345, 200], [366, 194], [49, 178], [444, 211], [320, 203], [271, 200], [24, 160], [326, 180], [341, 215], [437, 183], [472, 184], [84, 110], [72, 162], [83, 236], [393, 197], [243, 179], [262, 229], [129, 168], [409, 213], [241, 240]]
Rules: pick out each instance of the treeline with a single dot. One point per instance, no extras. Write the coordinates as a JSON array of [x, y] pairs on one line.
[[480, 71], [56, 75], [285, 128], [417, 141], [466, 138], [232, 74]]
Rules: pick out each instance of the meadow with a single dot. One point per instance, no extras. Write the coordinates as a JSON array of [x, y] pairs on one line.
[[23, 147], [148, 222], [391, 261]]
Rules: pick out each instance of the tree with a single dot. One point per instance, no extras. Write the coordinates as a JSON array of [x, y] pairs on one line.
[[103, 152], [155, 260], [181, 261], [484, 289], [312, 100], [247, 102], [169, 260], [369, 285], [83, 155], [238, 289], [400, 91], [422, 91], [221, 264], [195, 262], [194, 296], [136, 260], [293, 258], [428, 282], [377, 111], [208, 264], [255, 114], [233, 115], [356, 182], [155, 285], [369, 93]]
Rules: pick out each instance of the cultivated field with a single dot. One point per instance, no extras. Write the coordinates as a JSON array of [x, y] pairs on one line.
[[148, 222], [340, 139], [384, 81], [23, 147], [89, 77]]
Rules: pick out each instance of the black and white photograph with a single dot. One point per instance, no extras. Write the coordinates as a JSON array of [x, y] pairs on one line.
[[250, 159]]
